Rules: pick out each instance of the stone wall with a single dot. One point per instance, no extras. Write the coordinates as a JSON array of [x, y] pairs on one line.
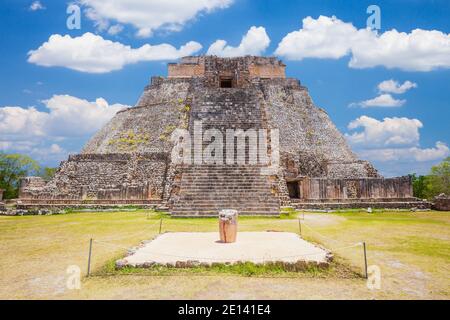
[[97, 177], [2, 205], [442, 203], [239, 70], [366, 188], [147, 127], [267, 71], [310, 143], [186, 70]]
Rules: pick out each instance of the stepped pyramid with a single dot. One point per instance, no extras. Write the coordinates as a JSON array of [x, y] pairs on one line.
[[130, 160]]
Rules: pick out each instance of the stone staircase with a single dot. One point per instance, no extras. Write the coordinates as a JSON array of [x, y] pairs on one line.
[[206, 189]]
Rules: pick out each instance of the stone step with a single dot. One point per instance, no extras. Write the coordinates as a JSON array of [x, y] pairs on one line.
[[223, 182], [218, 208], [231, 176], [214, 213], [223, 173], [187, 203], [225, 198], [221, 206], [205, 189], [246, 197], [227, 190]]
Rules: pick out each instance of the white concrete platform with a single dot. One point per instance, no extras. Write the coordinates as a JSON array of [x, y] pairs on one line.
[[185, 249]]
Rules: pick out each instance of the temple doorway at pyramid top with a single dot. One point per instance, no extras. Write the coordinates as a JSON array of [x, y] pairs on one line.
[[227, 72]]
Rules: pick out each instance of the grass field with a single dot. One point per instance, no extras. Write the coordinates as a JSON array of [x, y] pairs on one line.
[[411, 249]]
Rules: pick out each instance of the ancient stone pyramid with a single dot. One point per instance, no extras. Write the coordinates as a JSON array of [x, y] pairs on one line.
[[129, 161]]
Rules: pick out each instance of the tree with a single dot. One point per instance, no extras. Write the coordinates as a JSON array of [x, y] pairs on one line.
[[419, 186], [48, 173], [13, 167], [438, 181]]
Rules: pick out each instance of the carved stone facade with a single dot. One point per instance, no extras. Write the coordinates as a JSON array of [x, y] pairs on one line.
[[240, 71], [103, 177], [128, 161]]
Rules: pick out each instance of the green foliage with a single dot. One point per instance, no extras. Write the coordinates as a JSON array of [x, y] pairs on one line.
[[289, 213], [168, 130], [129, 141], [419, 186], [13, 167], [438, 181], [246, 269], [48, 173]]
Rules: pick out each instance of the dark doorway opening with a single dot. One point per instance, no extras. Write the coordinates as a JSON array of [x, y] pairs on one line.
[[293, 188], [226, 83]]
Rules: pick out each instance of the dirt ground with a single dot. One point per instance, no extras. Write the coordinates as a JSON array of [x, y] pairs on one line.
[[412, 251]]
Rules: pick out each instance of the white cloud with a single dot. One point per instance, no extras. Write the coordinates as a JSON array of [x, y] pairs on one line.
[[150, 15], [91, 53], [393, 86], [46, 154], [36, 5], [440, 151], [21, 122], [115, 29], [41, 151], [36, 132], [255, 42], [325, 37], [72, 116], [393, 140], [322, 38], [383, 100], [389, 132]]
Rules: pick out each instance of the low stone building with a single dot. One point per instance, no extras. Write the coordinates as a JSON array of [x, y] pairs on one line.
[[2, 205], [129, 161], [441, 202]]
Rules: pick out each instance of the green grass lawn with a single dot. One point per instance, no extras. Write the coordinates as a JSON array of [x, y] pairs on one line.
[[411, 249]]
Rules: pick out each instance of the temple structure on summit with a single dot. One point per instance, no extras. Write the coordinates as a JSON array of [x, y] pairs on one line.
[[129, 161]]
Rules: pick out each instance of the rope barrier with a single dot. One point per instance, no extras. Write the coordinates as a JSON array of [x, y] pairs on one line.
[[321, 235], [215, 259], [147, 229], [103, 242], [111, 245]]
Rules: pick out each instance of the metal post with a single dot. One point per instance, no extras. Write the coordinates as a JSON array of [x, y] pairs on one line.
[[89, 258], [300, 226], [365, 261], [160, 225]]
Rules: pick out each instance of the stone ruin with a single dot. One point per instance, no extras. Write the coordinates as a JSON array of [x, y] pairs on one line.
[[441, 202], [128, 162], [2, 205]]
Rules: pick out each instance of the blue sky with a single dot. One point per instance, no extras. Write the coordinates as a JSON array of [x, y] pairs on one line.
[[400, 129]]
